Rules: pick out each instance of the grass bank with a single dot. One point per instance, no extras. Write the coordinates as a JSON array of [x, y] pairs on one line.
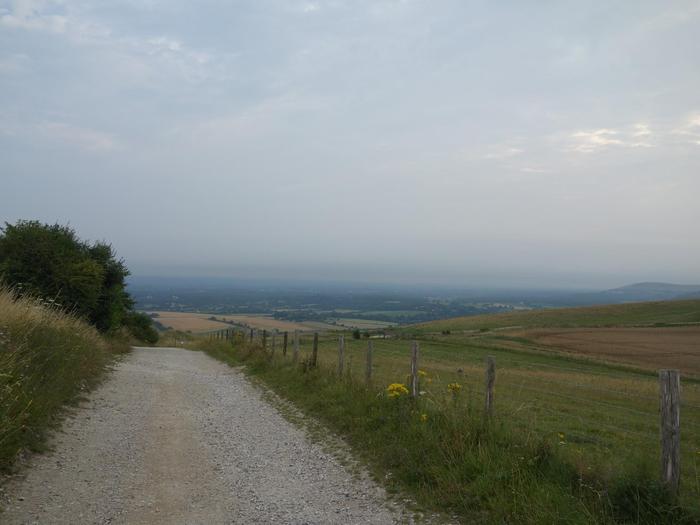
[[47, 360], [442, 451]]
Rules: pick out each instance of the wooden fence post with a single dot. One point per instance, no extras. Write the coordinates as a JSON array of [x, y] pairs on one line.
[[490, 383], [264, 339], [314, 351], [295, 354], [368, 367], [341, 355], [251, 335], [274, 343], [284, 345], [414, 369], [670, 408]]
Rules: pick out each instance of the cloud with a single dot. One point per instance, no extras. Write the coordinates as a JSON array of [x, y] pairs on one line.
[[528, 169], [145, 52], [690, 129], [32, 15], [310, 7], [639, 135], [503, 152], [84, 138], [641, 130], [13, 64], [591, 141]]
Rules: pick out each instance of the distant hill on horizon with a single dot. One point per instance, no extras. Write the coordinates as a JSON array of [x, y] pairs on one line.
[[648, 291]]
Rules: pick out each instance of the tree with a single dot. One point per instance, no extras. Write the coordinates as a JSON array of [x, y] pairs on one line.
[[51, 262], [141, 327]]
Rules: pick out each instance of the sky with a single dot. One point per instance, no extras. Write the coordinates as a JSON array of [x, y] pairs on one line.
[[514, 143]]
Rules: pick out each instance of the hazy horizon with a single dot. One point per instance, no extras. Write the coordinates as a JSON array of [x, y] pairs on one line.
[[527, 145]]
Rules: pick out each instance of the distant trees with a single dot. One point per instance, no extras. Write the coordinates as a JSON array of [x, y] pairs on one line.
[[51, 262]]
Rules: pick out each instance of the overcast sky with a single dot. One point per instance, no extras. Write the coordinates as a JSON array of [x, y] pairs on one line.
[[532, 143]]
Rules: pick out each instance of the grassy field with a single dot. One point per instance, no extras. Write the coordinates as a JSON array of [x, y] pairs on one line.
[[47, 359], [362, 324], [599, 419], [632, 314]]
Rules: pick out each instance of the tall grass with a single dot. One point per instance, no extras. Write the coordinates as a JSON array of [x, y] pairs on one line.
[[47, 358], [441, 450]]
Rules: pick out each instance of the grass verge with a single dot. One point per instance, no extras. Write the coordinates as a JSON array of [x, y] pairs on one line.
[[47, 360], [450, 459]]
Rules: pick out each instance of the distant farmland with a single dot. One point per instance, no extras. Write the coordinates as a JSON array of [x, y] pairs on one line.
[[205, 322], [651, 348], [649, 335]]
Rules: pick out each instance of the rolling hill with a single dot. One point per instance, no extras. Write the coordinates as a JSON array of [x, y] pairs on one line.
[[629, 314]]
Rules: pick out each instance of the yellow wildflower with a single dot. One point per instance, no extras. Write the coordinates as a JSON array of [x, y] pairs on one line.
[[424, 417], [422, 373], [396, 390], [454, 388]]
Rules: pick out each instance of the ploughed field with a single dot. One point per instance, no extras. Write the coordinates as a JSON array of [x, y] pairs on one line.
[[652, 348]]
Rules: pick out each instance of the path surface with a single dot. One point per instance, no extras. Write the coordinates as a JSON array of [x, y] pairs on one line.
[[174, 436]]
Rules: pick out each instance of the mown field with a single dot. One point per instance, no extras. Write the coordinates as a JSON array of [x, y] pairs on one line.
[[202, 322]]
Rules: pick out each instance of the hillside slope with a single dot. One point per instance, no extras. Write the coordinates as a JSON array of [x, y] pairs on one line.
[[630, 314]]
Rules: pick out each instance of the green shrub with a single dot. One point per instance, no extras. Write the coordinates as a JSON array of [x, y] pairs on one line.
[[52, 263], [140, 325]]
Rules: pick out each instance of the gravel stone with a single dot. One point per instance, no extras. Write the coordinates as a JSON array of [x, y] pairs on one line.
[[174, 436]]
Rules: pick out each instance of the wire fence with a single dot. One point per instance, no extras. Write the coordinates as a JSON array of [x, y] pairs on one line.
[[604, 412]]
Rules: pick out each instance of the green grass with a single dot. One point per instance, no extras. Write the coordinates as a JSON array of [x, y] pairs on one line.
[[47, 359], [631, 314], [572, 441]]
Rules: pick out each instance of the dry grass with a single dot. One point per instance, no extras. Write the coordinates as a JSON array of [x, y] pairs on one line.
[[189, 322], [201, 322], [47, 358], [264, 322]]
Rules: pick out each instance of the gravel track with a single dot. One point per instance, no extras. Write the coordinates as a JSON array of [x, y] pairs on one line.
[[174, 436]]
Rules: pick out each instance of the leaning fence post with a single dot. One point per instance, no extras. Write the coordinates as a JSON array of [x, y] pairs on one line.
[[284, 345], [368, 368], [314, 351], [295, 354], [490, 382], [670, 408], [414, 369], [341, 355]]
